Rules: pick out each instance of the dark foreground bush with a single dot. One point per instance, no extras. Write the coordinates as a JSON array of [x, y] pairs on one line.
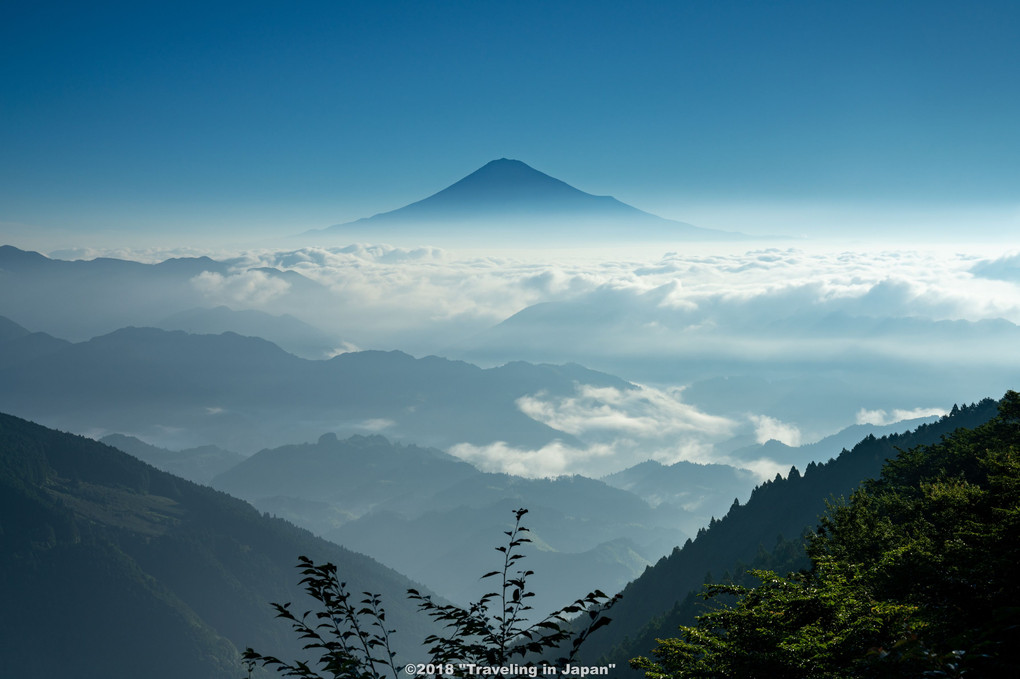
[[350, 635]]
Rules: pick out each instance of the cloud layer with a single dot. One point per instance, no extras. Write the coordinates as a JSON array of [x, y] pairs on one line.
[[428, 300], [879, 327]]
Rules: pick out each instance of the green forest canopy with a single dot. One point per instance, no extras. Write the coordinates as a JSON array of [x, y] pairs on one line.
[[913, 576]]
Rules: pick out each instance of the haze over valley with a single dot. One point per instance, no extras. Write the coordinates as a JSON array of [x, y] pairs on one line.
[[358, 283]]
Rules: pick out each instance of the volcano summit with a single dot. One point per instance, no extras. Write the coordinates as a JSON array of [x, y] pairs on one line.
[[510, 198]]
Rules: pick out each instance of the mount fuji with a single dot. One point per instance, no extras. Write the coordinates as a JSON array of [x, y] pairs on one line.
[[510, 198]]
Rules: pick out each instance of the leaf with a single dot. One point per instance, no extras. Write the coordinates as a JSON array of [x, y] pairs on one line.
[[480, 633]]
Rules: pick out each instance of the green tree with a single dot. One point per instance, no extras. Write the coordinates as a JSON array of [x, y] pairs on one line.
[[352, 640], [913, 576]]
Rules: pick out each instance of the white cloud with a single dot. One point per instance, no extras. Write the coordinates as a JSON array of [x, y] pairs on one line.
[[429, 300], [245, 288], [376, 424], [766, 469], [618, 428], [554, 459], [642, 411], [882, 417], [770, 429], [702, 282], [1005, 268], [344, 348], [144, 255], [599, 459]]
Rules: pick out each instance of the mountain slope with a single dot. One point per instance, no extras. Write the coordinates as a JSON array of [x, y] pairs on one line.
[[156, 576], [356, 475], [703, 490], [510, 188], [194, 464], [19, 345], [509, 194], [419, 510], [286, 331], [918, 562], [782, 508]]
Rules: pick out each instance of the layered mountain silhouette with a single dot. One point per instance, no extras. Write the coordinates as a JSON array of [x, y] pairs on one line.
[[79, 299], [199, 464], [510, 196], [419, 510], [111, 569], [243, 393], [284, 330]]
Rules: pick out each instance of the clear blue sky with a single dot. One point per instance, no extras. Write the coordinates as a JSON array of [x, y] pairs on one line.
[[295, 115]]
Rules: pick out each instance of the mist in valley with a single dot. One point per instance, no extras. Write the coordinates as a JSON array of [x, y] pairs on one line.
[[359, 282]]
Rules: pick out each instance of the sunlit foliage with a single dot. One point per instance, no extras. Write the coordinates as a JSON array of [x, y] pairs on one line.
[[913, 576]]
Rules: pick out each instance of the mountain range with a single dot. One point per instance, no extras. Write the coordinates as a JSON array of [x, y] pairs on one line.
[[416, 509], [179, 390], [110, 568], [508, 197], [153, 571], [79, 299]]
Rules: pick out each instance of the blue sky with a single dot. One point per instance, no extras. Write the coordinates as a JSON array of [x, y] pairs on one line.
[[178, 118]]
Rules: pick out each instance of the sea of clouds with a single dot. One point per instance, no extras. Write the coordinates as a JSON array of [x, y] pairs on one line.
[[665, 321]]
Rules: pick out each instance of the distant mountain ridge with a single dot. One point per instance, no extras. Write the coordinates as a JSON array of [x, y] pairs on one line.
[[419, 510], [509, 194], [178, 390], [286, 331], [703, 490], [79, 299], [199, 464]]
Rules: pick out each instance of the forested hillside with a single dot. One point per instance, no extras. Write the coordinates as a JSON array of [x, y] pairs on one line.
[[777, 511], [913, 576]]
